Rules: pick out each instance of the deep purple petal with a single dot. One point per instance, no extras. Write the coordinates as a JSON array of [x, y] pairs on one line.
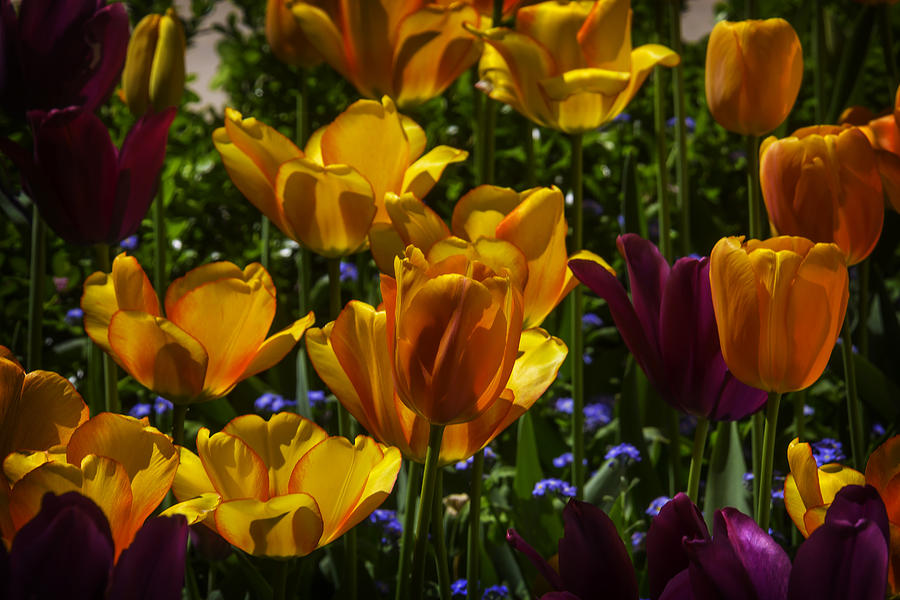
[[647, 275], [152, 567], [736, 399], [679, 520], [592, 555], [515, 540], [856, 502], [66, 551], [560, 596], [604, 284], [679, 587], [106, 33]]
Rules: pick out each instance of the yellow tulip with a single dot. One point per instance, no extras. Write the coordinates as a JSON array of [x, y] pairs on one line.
[[121, 463], [284, 487], [779, 307], [351, 356], [453, 333], [822, 183], [568, 65], [212, 337], [286, 38], [410, 51], [753, 74], [153, 78]]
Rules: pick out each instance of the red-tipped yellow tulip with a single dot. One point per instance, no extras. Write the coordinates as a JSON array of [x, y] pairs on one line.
[[153, 78], [125, 466], [351, 356], [410, 51], [568, 65], [822, 183], [286, 38], [809, 488], [883, 473], [779, 307], [282, 487], [753, 74], [212, 337], [453, 330]]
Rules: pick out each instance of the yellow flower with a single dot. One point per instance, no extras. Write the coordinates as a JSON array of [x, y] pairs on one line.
[[568, 65], [779, 307], [283, 487], [753, 74], [213, 335], [351, 356], [153, 78], [286, 38]]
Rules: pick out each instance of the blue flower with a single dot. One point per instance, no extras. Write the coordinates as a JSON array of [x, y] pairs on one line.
[[279, 404], [161, 406], [592, 319], [808, 410], [622, 118], [827, 450], [391, 528], [349, 271], [689, 124], [264, 402], [459, 588], [563, 488], [495, 592], [596, 415], [564, 405], [315, 397], [637, 539], [489, 455], [140, 410], [878, 429], [656, 505], [624, 453], [74, 316], [129, 243], [562, 460]]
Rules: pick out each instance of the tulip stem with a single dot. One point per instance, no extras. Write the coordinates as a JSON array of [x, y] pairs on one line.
[[684, 201], [302, 389], [818, 52], [865, 273], [764, 498], [437, 526], [757, 425], [179, 412], [264, 239], [279, 587], [159, 248], [110, 370], [754, 210], [659, 124], [474, 551], [576, 356], [799, 399], [406, 540], [887, 40], [36, 290], [425, 509], [693, 489], [853, 408]]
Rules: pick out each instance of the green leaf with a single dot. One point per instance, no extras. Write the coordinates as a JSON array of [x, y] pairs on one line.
[[725, 475], [528, 463], [876, 389]]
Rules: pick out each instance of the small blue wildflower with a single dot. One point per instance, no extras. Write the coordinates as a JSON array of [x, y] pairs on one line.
[[391, 528], [279, 404], [827, 450], [624, 453], [586, 357], [563, 488], [596, 415], [564, 405], [878, 429], [459, 588], [495, 592], [489, 455], [349, 271], [622, 118], [74, 316], [566, 459], [129, 243], [316, 397], [637, 539], [689, 124], [621, 221], [140, 410], [748, 476], [264, 402], [808, 410], [656, 505], [778, 494], [161, 406], [592, 319]]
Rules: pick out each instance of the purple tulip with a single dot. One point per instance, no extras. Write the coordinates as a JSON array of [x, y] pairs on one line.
[[678, 520], [88, 191], [56, 54], [670, 327]]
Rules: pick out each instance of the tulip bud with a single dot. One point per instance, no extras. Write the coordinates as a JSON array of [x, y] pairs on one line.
[[154, 67], [753, 73], [286, 38]]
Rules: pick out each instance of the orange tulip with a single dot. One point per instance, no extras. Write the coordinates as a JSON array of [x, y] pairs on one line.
[[822, 183], [351, 356], [568, 65], [125, 466], [213, 335], [453, 330], [410, 51], [286, 38], [753, 74], [283, 487], [884, 135], [883, 473], [779, 307]]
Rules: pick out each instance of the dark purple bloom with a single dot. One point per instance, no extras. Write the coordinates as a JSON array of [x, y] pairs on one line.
[[676, 521], [670, 328], [56, 54], [88, 191]]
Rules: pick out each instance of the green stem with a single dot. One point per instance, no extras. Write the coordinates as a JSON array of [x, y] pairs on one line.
[[488, 123], [887, 40], [36, 291], [350, 569], [751, 9], [304, 268], [818, 52], [693, 489], [179, 411], [864, 303], [279, 586], [301, 110], [264, 242], [854, 410], [764, 498], [799, 399], [754, 209], [425, 509], [530, 174], [437, 527], [473, 554], [159, 248], [577, 353], [659, 124], [684, 197], [406, 540], [757, 426], [110, 370], [675, 450]]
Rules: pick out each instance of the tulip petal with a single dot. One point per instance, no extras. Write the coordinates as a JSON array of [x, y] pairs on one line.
[[883, 473], [324, 36], [478, 213], [605, 36], [463, 440], [167, 74], [276, 346], [643, 60], [537, 363], [105, 481], [386, 245], [108, 30], [543, 567], [678, 521], [556, 25], [191, 479], [233, 467], [416, 223], [283, 526], [26, 494], [135, 84], [423, 174], [195, 510], [154, 563], [591, 80]]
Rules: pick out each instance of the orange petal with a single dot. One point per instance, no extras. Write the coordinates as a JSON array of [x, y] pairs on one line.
[[25, 496], [106, 483], [883, 473], [414, 221], [478, 213], [423, 174]]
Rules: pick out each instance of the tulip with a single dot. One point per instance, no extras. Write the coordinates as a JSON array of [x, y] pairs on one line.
[[884, 135], [753, 73], [670, 328], [119, 462], [823, 183], [60, 54], [213, 335], [284, 487], [568, 65], [779, 307], [678, 521], [592, 557], [286, 38], [88, 191], [153, 78], [351, 356], [809, 489], [67, 551], [883, 473], [453, 330], [38, 410], [409, 51]]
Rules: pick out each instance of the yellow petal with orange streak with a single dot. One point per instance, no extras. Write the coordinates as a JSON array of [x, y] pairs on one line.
[[234, 469]]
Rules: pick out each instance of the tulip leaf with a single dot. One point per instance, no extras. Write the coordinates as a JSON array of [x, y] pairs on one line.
[[528, 462], [635, 389], [876, 389], [725, 475]]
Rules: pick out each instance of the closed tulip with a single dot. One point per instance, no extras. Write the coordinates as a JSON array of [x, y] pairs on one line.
[[822, 183], [753, 74], [568, 65], [453, 330], [282, 487], [286, 38], [883, 473], [153, 78], [884, 135], [779, 308], [212, 337], [410, 51], [351, 356]]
